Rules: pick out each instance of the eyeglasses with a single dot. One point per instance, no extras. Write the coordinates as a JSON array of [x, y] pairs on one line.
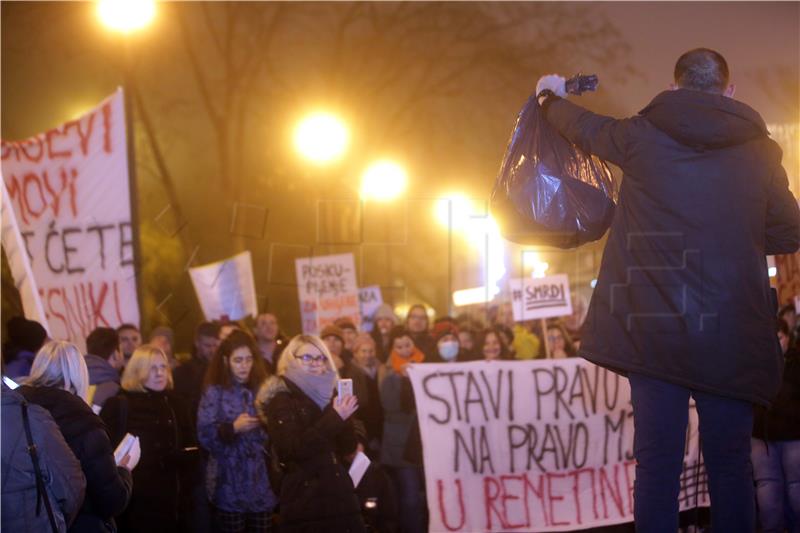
[[308, 358]]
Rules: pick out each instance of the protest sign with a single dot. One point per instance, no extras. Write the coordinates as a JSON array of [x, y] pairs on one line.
[[327, 290], [533, 446], [226, 288], [534, 298], [369, 299], [68, 189]]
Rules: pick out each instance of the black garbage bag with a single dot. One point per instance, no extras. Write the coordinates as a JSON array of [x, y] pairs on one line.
[[548, 191]]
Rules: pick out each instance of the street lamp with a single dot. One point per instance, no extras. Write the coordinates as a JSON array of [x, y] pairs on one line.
[[383, 180], [126, 16], [321, 138]]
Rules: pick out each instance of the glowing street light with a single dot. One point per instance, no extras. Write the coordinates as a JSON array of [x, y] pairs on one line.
[[126, 16], [383, 181], [321, 138]]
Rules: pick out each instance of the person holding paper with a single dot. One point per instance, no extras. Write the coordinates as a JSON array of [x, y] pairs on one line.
[[237, 481], [148, 409], [683, 304], [311, 432], [59, 382]]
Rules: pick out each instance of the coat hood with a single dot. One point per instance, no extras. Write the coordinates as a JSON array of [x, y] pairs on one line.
[[100, 371], [273, 386], [704, 121]]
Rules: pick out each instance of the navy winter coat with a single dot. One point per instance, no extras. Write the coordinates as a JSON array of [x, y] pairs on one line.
[[108, 488], [683, 293]]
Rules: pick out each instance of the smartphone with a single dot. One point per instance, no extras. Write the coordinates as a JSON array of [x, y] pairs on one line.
[[345, 388]]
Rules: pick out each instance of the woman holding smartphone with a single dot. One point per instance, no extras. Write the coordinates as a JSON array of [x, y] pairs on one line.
[[147, 408], [236, 476], [311, 431]]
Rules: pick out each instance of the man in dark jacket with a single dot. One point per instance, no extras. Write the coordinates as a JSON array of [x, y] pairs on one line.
[[104, 360], [683, 303]]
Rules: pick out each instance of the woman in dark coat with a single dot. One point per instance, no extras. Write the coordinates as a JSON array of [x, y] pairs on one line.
[[311, 431], [147, 408], [59, 382]]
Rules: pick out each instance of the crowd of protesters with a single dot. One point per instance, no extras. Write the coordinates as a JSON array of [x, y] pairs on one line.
[[248, 434]]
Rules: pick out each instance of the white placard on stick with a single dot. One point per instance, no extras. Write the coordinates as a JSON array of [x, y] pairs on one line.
[[226, 288], [535, 298], [327, 290]]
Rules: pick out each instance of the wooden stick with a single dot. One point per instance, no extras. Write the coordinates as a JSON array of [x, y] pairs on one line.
[[547, 354]]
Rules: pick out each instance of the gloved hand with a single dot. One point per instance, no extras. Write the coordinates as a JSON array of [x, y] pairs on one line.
[[554, 82]]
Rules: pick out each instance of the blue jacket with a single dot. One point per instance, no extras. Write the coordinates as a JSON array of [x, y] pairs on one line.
[[236, 474]]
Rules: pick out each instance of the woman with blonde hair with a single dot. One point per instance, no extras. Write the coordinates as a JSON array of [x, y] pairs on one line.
[[59, 382], [311, 431], [147, 408]]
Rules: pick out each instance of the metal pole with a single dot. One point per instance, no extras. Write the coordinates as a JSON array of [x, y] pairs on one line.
[[133, 190]]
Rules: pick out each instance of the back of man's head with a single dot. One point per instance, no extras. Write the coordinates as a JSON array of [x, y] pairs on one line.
[[102, 342], [702, 69], [206, 329]]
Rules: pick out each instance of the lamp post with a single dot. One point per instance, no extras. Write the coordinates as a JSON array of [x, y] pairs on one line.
[[126, 17]]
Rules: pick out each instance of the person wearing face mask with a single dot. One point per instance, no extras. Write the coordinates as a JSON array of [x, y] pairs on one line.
[[147, 408], [399, 420], [311, 432], [237, 481], [371, 413], [448, 347]]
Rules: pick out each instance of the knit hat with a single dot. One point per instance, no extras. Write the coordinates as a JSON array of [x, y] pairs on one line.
[[332, 329], [345, 323], [443, 328], [26, 334], [384, 311]]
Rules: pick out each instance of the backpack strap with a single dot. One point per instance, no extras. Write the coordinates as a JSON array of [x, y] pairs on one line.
[[41, 490]]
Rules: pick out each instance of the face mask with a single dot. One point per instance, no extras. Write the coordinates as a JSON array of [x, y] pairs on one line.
[[448, 350]]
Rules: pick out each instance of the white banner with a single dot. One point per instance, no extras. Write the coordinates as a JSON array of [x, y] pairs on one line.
[[69, 191], [327, 290], [535, 298], [533, 446], [226, 288]]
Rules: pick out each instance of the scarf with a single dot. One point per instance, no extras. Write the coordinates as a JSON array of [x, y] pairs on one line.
[[317, 387], [399, 363]]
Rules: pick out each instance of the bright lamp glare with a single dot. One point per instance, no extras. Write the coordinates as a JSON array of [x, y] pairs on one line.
[[454, 211], [126, 15], [383, 181], [321, 138]]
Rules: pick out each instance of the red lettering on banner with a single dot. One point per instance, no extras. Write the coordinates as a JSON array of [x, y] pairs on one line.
[[32, 178], [614, 491], [83, 307], [6, 149], [539, 493], [576, 491], [51, 153], [489, 499], [443, 513], [629, 483], [30, 197], [38, 142], [508, 496], [86, 136], [116, 304], [553, 498], [107, 128]]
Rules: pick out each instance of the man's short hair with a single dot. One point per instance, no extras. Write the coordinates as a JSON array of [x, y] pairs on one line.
[[702, 69], [207, 329], [102, 342], [125, 326]]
